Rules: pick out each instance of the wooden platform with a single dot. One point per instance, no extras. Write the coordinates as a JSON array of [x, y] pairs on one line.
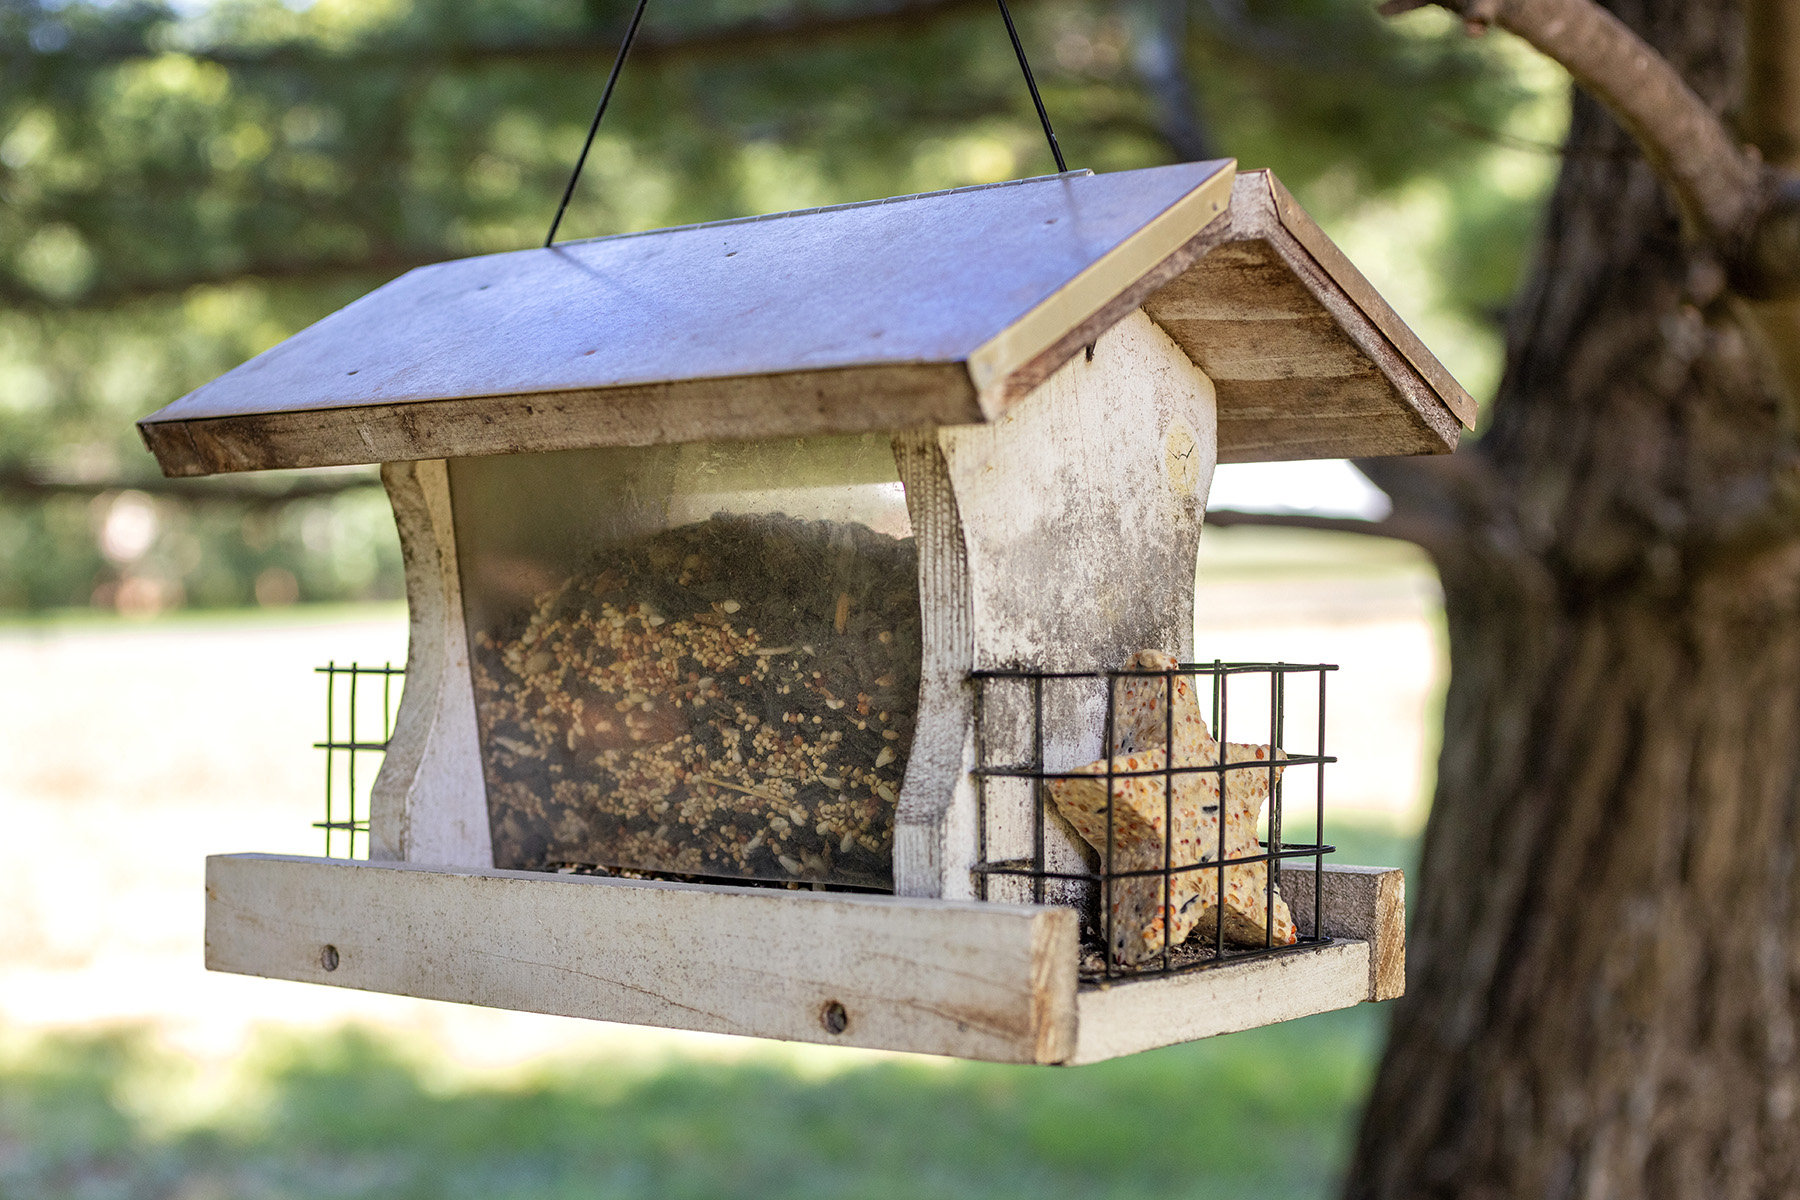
[[973, 980]]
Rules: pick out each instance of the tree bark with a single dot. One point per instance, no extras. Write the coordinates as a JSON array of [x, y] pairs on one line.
[[1772, 79], [1604, 995]]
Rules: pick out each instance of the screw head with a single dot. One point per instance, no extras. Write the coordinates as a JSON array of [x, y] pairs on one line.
[[328, 958], [834, 1017]]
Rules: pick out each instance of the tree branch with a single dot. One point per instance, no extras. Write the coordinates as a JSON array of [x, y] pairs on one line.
[[1435, 536], [1228, 517], [1718, 187], [22, 484]]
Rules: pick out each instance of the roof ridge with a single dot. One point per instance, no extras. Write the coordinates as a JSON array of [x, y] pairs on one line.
[[826, 208]]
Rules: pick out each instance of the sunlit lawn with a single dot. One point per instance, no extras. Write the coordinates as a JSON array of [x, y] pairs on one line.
[[368, 1113], [1265, 1113]]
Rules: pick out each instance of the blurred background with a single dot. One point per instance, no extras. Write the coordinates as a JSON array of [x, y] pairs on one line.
[[183, 185]]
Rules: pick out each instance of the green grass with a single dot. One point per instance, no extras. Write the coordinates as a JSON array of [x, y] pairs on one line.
[[1260, 1114], [359, 1113]]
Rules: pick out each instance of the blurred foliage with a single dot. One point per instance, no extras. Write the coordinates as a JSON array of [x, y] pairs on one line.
[[183, 185], [1264, 1114]]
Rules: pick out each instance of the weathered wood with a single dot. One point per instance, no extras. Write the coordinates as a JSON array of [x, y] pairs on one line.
[[1356, 286], [429, 803], [1305, 347], [1054, 576], [1284, 439], [1307, 359], [934, 821], [1081, 508], [1125, 1018], [872, 296], [858, 399], [975, 980], [941, 309], [1365, 903], [1017, 358]]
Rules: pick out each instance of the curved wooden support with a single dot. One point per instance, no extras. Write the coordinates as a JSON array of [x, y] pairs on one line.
[[429, 803], [935, 815]]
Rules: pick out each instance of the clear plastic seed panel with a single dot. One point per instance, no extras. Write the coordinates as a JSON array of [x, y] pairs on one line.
[[698, 660]]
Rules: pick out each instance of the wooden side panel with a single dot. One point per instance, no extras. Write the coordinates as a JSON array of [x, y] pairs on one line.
[[1056, 576], [1368, 903], [429, 803], [1081, 507], [1304, 347], [1340, 435], [1142, 1015], [981, 981]]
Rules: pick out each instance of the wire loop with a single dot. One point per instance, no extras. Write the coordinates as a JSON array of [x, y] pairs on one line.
[[631, 31]]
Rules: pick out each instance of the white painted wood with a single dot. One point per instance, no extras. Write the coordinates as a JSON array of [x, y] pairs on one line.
[[974, 980], [1079, 516], [1126, 1018], [429, 803], [1081, 508]]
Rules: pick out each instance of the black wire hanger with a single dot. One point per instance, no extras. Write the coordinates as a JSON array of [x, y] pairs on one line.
[[631, 30]]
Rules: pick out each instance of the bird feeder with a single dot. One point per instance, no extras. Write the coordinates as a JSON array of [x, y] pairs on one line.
[[801, 609]]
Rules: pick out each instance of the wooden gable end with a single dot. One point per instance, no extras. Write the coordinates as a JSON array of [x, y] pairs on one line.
[[1307, 359]]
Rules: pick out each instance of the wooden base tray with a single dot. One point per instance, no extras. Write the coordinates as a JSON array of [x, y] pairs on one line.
[[973, 980]]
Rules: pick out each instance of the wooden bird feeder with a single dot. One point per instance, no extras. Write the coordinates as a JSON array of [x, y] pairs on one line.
[[746, 563]]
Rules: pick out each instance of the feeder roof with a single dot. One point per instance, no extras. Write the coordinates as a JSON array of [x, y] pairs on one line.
[[942, 308]]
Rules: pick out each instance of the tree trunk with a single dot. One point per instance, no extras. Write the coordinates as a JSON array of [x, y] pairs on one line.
[[1605, 959]]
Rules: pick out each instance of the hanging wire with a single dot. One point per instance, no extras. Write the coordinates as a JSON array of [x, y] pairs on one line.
[[1025, 66], [631, 30], [605, 99], [625, 47]]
